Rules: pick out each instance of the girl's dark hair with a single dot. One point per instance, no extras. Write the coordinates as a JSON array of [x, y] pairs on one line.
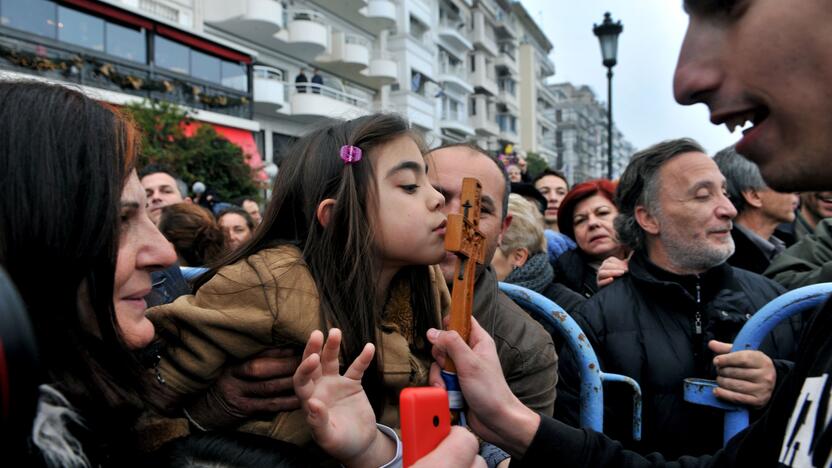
[[229, 449], [195, 235], [64, 159], [340, 255]]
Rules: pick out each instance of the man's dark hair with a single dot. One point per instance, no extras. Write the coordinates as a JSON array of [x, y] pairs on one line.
[[551, 172], [740, 175], [161, 168], [639, 186], [476, 148]]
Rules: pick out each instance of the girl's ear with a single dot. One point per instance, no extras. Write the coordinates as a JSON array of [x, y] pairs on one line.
[[324, 211]]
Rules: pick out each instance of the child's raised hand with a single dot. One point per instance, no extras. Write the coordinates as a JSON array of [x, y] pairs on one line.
[[337, 409]]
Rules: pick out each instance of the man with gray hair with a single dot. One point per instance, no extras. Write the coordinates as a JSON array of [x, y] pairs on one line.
[[679, 306], [759, 211]]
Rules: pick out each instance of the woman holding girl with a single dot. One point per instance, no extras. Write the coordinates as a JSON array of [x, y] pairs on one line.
[[346, 242], [77, 241]]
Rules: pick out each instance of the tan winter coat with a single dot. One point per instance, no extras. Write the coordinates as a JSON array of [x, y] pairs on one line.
[[269, 300]]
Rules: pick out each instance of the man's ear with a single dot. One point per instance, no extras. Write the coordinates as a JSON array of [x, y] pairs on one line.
[[752, 198], [324, 211], [646, 220], [504, 228]]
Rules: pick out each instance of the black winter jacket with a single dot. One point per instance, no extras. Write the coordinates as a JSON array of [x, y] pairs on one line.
[[572, 269], [650, 326]]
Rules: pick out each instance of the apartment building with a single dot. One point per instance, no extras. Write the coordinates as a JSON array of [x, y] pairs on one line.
[[459, 70], [580, 137], [535, 100]]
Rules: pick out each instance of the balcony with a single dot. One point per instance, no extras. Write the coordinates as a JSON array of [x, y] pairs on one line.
[[349, 54], [383, 70], [306, 33], [323, 101], [504, 26], [381, 12], [483, 119], [269, 89], [456, 121], [484, 38], [454, 75], [508, 127], [483, 75], [454, 34], [254, 20], [547, 67], [507, 58], [508, 91], [106, 73]]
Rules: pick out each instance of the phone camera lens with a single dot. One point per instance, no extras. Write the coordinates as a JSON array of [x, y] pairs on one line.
[[436, 421]]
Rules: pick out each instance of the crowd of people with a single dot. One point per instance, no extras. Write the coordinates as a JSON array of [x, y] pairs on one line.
[[314, 314]]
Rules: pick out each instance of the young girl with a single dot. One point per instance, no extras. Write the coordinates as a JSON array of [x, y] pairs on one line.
[[346, 242]]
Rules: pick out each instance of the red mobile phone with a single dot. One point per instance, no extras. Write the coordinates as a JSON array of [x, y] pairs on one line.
[[425, 419]]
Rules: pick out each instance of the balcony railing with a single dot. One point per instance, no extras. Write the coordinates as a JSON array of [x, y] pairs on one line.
[[457, 70], [77, 65], [307, 15], [353, 99], [356, 40], [457, 115]]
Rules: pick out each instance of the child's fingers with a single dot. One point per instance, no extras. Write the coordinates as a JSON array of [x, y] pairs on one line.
[[317, 415], [313, 344], [361, 363], [304, 379], [329, 355]]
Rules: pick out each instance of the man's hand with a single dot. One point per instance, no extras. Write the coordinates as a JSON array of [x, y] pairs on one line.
[[610, 269], [744, 377], [343, 422], [459, 448], [494, 413], [261, 385]]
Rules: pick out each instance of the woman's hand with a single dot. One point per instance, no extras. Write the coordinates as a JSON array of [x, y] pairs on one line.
[[337, 409], [610, 269]]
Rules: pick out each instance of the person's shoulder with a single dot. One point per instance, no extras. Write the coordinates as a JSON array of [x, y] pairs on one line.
[[283, 263], [756, 284]]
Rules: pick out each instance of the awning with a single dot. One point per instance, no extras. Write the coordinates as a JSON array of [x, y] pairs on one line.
[[242, 138]]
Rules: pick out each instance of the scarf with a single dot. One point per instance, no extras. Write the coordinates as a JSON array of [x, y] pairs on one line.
[[536, 274]]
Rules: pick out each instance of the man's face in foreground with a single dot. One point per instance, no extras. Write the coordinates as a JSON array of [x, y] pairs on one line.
[[766, 62]]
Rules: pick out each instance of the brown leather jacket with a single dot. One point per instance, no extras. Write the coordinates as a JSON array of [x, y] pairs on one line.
[[267, 301]]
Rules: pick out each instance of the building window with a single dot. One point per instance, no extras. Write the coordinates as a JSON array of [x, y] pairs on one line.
[[235, 76], [205, 67], [172, 56], [33, 16], [126, 43], [472, 106], [558, 115], [80, 29]]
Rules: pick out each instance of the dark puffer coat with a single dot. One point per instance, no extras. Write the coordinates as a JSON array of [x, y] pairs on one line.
[[644, 325], [572, 270]]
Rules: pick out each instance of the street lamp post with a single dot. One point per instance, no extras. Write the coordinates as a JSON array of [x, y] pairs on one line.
[[607, 33]]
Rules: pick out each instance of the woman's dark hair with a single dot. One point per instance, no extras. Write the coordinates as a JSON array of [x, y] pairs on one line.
[[340, 255], [64, 159], [237, 211], [195, 235], [229, 449], [580, 192]]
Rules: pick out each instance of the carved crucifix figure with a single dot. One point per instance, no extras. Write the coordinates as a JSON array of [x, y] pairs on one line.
[[464, 239]]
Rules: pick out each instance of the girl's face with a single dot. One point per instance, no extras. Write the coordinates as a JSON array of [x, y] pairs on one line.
[[141, 250], [593, 225], [409, 224]]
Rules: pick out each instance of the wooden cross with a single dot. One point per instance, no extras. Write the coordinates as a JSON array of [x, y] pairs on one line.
[[463, 238]]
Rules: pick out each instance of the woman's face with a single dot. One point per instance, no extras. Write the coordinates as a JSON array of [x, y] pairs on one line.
[[514, 173], [236, 230], [141, 250], [593, 225]]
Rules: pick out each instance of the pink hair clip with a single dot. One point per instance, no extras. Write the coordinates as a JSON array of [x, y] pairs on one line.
[[350, 154]]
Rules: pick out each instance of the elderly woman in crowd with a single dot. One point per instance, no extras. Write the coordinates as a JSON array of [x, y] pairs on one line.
[[586, 215], [521, 257]]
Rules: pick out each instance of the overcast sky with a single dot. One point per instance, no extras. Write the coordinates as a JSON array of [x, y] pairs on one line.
[[643, 105]]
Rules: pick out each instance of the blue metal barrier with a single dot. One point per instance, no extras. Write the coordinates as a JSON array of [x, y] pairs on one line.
[[701, 391], [592, 377], [192, 273]]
